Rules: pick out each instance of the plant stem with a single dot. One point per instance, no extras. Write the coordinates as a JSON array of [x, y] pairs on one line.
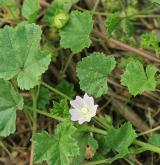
[[34, 107], [147, 146], [55, 90], [100, 122], [149, 131], [29, 117], [95, 6], [96, 121], [96, 162], [34, 94], [7, 151], [67, 63], [60, 119], [95, 130]]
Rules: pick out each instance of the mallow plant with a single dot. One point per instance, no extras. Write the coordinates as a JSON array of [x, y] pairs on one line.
[[83, 134]]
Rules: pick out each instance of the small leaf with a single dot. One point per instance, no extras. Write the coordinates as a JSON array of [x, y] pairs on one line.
[[155, 140], [113, 22], [30, 9], [57, 149], [93, 71], [137, 80], [10, 100], [128, 27], [150, 40], [61, 109], [21, 56], [67, 88], [75, 35], [121, 138]]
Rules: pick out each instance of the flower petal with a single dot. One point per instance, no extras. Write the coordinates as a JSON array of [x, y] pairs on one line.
[[77, 103], [89, 101], [74, 114], [81, 121], [88, 119], [94, 109]]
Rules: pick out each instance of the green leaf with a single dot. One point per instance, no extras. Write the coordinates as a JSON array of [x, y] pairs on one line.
[[43, 98], [121, 138], [113, 22], [103, 144], [75, 35], [150, 40], [93, 71], [134, 2], [84, 141], [56, 7], [30, 9], [155, 140], [20, 55], [128, 27], [10, 100], [57, 149], [66, 88], [61, 109], [137, 80], [156, 1]]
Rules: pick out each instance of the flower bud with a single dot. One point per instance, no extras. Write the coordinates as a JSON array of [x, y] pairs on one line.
[[60, 20]]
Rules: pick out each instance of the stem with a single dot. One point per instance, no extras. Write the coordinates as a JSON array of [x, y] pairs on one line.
[[147, 146], [128, 161], [7, 151], [29, 117], [34, 107], [96, 162], [67, 63], [149, 131], [96, 121], [95, 6], [138, 151], [95, 130], [126, 47], [34, 94], [55, 90], [123, 7], [99, 121], [60, 119]]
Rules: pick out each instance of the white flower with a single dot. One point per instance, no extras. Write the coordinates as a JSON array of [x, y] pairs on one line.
[[83, 109]]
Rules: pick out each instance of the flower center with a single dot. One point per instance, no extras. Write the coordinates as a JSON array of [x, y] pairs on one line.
[[85, 111]]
